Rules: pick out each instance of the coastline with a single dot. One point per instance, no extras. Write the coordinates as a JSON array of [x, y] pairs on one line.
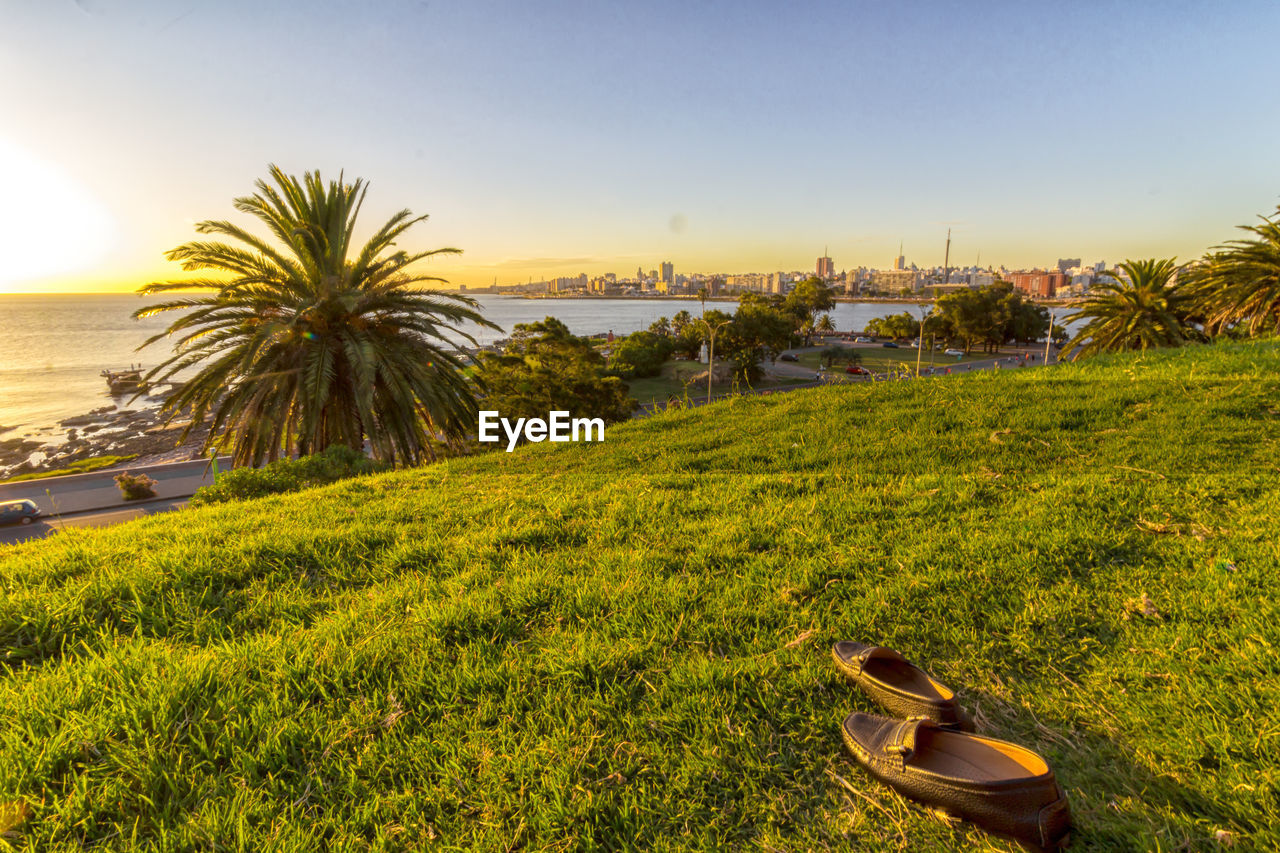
[[106, 431]]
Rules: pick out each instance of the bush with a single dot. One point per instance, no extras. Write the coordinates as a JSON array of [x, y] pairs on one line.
[[640, 354], [135, 487], [287, 475]]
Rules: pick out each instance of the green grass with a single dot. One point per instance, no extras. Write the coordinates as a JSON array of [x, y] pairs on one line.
[[626, 645], [82, 466], [676, 381]]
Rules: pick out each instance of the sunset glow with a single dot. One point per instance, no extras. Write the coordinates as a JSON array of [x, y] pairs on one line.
[[50, 226]]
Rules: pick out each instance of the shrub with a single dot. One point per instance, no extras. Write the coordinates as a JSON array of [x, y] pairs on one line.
[[287, 475], [640, 354], [135, 487]]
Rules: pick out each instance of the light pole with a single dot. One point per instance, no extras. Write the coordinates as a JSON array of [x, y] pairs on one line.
[[1049, 337], [924, 315], [711, 353]]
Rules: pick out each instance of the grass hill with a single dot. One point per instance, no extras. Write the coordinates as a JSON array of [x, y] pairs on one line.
[[627, 644]]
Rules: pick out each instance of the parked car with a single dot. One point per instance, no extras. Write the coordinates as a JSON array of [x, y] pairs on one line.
[[788, 356], [863, 339], [857, 370], [954, 352], [18, 512], [889, 344]]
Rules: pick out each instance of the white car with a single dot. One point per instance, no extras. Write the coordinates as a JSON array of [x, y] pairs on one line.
[[954, 352], [862, 339]]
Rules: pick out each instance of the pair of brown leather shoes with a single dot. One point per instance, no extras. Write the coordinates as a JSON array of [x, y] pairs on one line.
[[931, 757]]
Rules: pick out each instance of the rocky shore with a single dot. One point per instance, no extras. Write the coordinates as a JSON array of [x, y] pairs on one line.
[[108, 431]]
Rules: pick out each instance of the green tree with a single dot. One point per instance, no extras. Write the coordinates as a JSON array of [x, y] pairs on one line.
[[1028, 322], [1140, 308], [757, 333], [897, 326], [688, 336], [963, 317], [545, 368], [805, 301], [991, 316], [1237, 286], [307, 341], [640, 354], [661, 326]]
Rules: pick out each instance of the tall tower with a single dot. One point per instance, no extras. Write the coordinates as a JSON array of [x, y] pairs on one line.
[[946, 259], [826, 268], [900, 262]]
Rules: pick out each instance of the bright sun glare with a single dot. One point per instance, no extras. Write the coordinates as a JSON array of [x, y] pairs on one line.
[[58, 227]]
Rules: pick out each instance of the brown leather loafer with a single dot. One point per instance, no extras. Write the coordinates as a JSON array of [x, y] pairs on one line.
[[898, 686], [999, 786]]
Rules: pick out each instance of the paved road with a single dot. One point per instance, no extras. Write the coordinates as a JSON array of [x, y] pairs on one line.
[[101, 518], [97, 490]]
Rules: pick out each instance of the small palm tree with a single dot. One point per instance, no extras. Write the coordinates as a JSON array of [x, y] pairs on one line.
[[1146, 310], [303, 343], [1238, 284]]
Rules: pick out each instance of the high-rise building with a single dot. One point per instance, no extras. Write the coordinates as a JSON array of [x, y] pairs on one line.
[[1040, 283], [826, 267], [900, 262], [668, 272], [1065, 264]]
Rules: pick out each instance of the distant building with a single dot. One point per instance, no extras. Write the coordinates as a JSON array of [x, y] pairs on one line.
[[894, 281], [826, 268], [1065, 264], [1040, 283], [667, 272], [562, 285], [900, 262]]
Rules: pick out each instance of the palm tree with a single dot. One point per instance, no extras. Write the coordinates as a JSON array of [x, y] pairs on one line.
[[303, 343], [1238, 284], [1146, 310]]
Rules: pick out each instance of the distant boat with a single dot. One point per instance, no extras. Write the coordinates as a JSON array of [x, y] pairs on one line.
[[124, 381]]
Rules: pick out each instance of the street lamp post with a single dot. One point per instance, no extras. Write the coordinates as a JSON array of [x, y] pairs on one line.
[[711, 353], [924, 315]]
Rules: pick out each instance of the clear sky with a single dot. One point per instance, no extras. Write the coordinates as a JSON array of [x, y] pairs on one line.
[[554, 138]]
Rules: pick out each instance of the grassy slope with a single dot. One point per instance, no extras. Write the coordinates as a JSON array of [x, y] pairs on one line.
[[82, 466], [627, 644]]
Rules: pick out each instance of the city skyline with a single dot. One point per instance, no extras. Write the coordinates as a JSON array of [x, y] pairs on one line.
[[577, 139]]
